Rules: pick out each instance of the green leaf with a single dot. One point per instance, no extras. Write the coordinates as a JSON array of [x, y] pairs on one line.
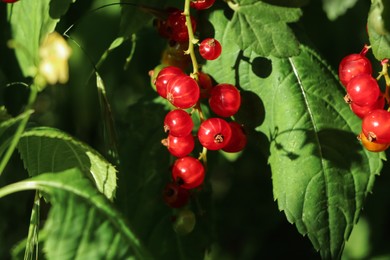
[[50, 150], [264, 28], [82, 223], [31, 21], [336, 8], [379, 30], [321, 174]]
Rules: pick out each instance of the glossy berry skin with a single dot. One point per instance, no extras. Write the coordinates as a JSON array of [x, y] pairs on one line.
[[178, 123], [353, 65], [214, 133], [175, 196], [164, 76], [205, 84], [376, 126], [225, 100], [210, 49], [179, 146], [363, 90], [188, 172], [177, 28], [362, 111], [201, 4], [238, 140], [183, 91], [372, 146]]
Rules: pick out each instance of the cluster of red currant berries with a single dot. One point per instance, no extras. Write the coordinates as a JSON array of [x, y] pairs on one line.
[[366, 99], [185, 92]]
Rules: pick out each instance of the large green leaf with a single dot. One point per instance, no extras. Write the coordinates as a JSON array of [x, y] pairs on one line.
[[379, 29], [31, 21], [321, 174], [82, 223], [264, 28], [50, 150]]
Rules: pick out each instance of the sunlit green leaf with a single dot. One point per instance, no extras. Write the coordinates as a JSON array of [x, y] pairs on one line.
[[82, 223], [31, 21], [336, 8], [379, 30], [50, 150], [311, 132], [264, 28]]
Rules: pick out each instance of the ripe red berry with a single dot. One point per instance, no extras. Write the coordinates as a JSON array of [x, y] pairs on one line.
[[188, 172], [238, 140], [164, 76], [205, 83], [372, 146], [210, 49], [201, 4], [376, 126], [362, 111], [183, 91], [353, 65], [10, 1], [175, 196], [177, 28], [178, 123], [225, 100], [214, 133], [179, 146], [363, 90]]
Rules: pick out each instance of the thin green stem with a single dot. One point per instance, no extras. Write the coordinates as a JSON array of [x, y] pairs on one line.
[[32, 238], [20, 129], [192, 40]]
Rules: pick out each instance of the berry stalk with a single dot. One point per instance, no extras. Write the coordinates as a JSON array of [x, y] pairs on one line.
[[191, 41]]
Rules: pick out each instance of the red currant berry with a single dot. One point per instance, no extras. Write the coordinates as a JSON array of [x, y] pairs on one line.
[[201, 4], [238, 140], [225, 100], [353, 65], [376, 126], [179, 146], [175, 196], [372, 146], [214, 133], [10, 1], [205, 83], [363, 90], [362, 111], [210, 49], [164, 76], [183, 91], [177, 28], [178, 123], [188, 172]]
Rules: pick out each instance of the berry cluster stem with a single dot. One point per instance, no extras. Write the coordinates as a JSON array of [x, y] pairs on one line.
[[385, 74], [192, 40]]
